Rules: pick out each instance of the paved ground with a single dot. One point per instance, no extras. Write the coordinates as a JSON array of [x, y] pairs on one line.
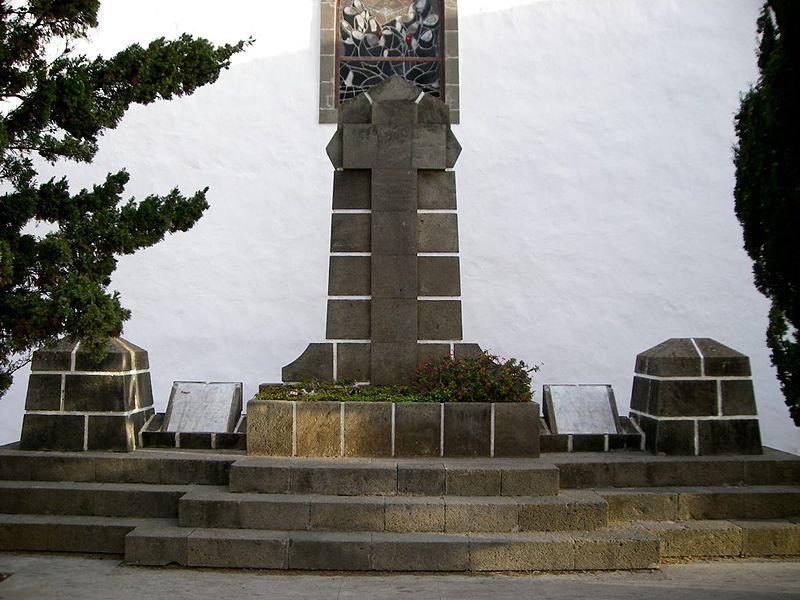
[[46, 577]]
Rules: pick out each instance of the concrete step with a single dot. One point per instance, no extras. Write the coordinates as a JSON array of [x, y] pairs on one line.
[[91, 499], [701, 539], [642, 469], [630, 548], [701, 503], [216, 507], [385, 477], [60, 533]]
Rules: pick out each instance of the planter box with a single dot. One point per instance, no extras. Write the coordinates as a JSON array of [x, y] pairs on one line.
[[385, 429]]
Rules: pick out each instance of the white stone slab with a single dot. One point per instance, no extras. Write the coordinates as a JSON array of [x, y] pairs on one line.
[[583, 408], [203, 407]]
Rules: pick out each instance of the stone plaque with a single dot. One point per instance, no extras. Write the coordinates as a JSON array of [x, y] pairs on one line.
[[580, 409], [203, 407]]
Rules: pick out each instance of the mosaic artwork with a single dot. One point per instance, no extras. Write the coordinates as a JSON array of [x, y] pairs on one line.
[[381, 38]]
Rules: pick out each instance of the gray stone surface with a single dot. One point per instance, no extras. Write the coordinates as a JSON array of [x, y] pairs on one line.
[[570, 511], [467, 429], [269, 428], [430, 147], [436, 190], [395, 147], [676, 357], [394, 113], [352, 189], [236, 548], [44, 392], [348, 320], [203, 406], [580, 409], [738, 397], [461, 351], [439, 320], [408, 514], [683, 398], [368, 429], [721, 361], [394, 190], [359, 146], [740, 436], [516, 429], [417, 429], [439, 276], [437, 232], [349, 276], [420, 553], [394, 277], [52, 432], [316, 362], [394, 233], [353, 362], [394, 320], [350, 232], [330, 551], [427, 353], [318, 429], [393, 363], [334, 149]]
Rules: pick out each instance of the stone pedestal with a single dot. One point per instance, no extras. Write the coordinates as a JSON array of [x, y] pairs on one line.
[[394, 289], [75, 403], [694, 396]]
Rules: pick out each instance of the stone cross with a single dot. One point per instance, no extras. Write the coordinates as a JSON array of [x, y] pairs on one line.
[[394, 281]]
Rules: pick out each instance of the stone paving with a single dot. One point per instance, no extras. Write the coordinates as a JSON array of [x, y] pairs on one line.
[[48, 576]]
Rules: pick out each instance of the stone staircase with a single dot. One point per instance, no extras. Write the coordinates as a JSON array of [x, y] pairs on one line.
[[562, 512]]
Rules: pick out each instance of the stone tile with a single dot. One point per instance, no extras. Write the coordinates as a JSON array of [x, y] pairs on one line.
[[394, 320], [269, 427], [348, 320], [353, 362], [729, 437], [368, 429], [394, 190], [318, 551], [570, 511], [394, 88], [516, 429], [698, 538], [417, 429], [439, 276], [97, 393], [437, 232], [429, 147], [394, 233], [157, 546], [432, 111], [640, 394], [352, 189], [407, 514], [354, 479], [55, 357], [436, 190], [543, 552], [349, 276], [52, 432], [316, 362], [473, 481], [439, 320], [462, 351], [395, 147], [588, 442], [347, 514], [738, 397], [721, 361], [351, 233], [318, 429], [467, 429], [393, 363], [432, 353], [334, 149], [529, 481], [237, 549], [683, 398], [394, 113], [111, 433], [673, 437], [44, 392], [359, 146], [453, 150], [419, 553], [769, 538], [471, 514], [358, 111], [616, 550], [676, 357], [423, 479], [394, 277], [641, 505]]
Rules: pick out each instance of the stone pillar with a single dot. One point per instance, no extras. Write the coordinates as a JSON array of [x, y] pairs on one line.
[[694, 396], [75, 404], [394, 290]]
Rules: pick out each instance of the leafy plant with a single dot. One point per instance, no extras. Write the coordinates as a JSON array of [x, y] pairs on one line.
[[56, 108], [767, 192]]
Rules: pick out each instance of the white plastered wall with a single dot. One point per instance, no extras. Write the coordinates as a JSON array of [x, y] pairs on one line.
[[595, 191]]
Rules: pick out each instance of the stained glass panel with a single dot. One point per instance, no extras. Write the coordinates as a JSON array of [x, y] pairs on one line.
[[381, 38]]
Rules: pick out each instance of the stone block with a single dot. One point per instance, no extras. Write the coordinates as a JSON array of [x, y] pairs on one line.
[[462, 351], [471, 514], [424, 479], [516, 429], [735, 436], [44, 392], [354, 479], [420, 553], [352, 189], [432, 111], [721, 361], [676, 357], [429, 147], [697, 538], [395, 147], [318, 551], [350, 232], [120, 355], [395, 113], [474, 481], [394, 277], [583, 475], [672, 437], [98, 393], [52, 432], [683, 398], [529, 481], [237, 548], [157, 546], [316, 362], [570, 511], [359, 146], [394, 88], [285, 514], [111, 433], [436, 190], [318, 429], [349, 276], [346, 514], [54, 357], [432, 353], [368, 429], [453, 150], [406, 514], [269, 427], [640, 394], [196, 440], [542, 552], [630, 549], [335, 149], [392, 363], [467, 429], [358, 110], [230, 441], [348, 320], [639, 505], [353, 362], [588, 442], [394, 190], [769, 538], [394, 233], [439, 276], [738, 397], [439, 320], [252, 475], [437, 232], [394, 320], [554, 442]]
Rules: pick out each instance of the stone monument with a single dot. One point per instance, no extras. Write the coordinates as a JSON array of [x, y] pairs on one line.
[[394, 280]]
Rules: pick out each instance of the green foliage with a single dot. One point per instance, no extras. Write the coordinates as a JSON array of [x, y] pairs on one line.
[[767, 192], [485, 378], [56, 284]]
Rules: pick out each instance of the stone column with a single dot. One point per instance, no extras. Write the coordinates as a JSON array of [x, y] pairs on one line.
[[394, 281]]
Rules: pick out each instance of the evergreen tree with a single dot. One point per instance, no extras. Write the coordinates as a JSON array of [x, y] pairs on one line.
[[55, 104], [768, 185]]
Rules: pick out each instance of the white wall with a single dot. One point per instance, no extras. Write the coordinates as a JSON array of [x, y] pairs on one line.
[[595, 191]]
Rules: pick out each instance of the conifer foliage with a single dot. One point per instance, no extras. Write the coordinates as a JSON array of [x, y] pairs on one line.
[[767, 191], [55, 104]]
